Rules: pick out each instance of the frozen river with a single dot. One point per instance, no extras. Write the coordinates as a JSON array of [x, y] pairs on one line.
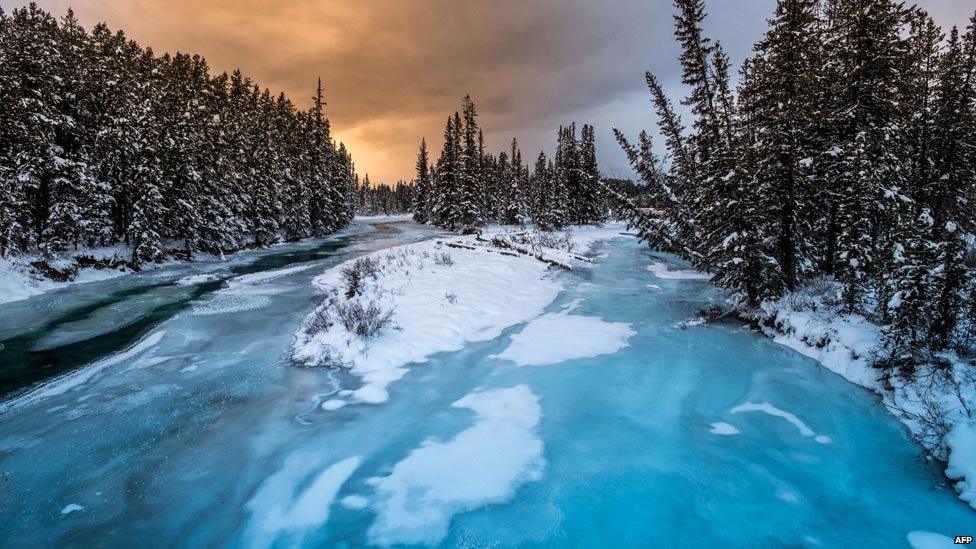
[[177, 420]]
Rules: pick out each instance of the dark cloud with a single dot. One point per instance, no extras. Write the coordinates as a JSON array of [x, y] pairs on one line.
[[395, 69]]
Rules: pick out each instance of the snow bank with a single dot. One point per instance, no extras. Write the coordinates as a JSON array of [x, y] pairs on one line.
[[484, 464], [17, 282], [812, 323], [962, 460], [557, 337], [442, 294]]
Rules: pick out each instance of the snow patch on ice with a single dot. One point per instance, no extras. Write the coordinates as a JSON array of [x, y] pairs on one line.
[[287, 503], [723, 429], [557, 337], [661, 270], [483, 464], [197, 279], [769, 409], [71, 508], [245, 292], [267, 276], [333, 404], [920, 539], [354, 502]]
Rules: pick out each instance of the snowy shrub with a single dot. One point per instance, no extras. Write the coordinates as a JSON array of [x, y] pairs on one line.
[[554, 240], [364, 320], [443, 259], [814, 295], [451, 298], [356, 274], [318, 321], [400, 257]]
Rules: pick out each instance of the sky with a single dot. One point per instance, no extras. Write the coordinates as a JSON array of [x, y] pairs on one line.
[[394, 70]]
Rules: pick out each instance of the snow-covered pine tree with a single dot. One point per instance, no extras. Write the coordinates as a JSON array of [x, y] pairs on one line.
[[513, 182], [421, 207], [779, 111], [265, 210], [444, 196], [591, 209], [952, 188], [860, 113], [470, 181], [542, 192], [232, 166]]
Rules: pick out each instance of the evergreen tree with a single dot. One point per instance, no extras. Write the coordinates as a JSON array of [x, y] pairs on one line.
[[101, 142], [779, 110], [515, 181], [470, 182], [421, 208]]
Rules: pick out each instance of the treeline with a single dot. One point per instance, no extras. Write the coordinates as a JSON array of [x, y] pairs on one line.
[[103, 142], [467, 187], [383, 199], [848, 150]]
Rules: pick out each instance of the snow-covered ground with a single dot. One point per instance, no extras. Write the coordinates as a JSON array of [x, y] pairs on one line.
[[939, 413], [441, 295], [18, 281]]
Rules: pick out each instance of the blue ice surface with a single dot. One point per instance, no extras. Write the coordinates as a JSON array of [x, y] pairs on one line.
[[212, 438]]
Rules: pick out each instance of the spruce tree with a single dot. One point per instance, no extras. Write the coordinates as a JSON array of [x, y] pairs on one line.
[[421, 207], [470, 183]]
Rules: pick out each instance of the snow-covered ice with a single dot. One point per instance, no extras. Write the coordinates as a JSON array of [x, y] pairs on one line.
[[333, 404], [814, 326], [71, 508], [558, 337], [483, 464], [769, 409], [661, 270], [288, 503], [77, 378], [197, 279], [354, 502], [526, 456], [721, 428], [920, 539]]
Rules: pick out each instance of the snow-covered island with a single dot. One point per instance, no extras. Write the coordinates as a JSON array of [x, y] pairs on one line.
[[391, 308]]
